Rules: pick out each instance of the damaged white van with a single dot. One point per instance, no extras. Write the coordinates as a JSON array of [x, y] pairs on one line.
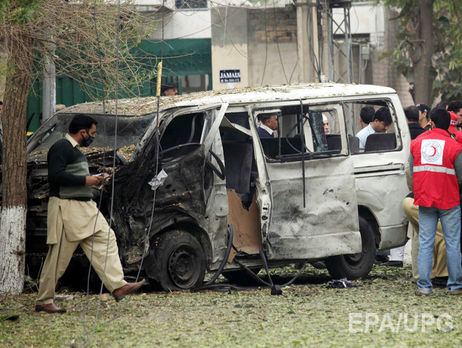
[[307, 194]]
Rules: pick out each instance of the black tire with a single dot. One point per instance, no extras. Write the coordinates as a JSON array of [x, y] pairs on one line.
[[359, 265], [154, 285], [241, 277], [176, 261]]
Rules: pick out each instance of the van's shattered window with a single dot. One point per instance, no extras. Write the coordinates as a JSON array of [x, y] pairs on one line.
[[182, 130], [181, 136], [366, 135], [302, 133]]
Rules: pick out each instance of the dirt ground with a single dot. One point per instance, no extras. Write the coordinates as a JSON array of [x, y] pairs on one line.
[[381, 311]]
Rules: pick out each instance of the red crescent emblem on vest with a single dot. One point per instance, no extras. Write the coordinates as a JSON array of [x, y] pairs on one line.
[[434, 151]]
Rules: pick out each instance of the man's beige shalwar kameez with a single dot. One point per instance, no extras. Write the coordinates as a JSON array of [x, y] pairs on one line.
[[71, 223]]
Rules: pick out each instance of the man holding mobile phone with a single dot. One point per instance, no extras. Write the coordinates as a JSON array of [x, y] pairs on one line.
[[74, 219]]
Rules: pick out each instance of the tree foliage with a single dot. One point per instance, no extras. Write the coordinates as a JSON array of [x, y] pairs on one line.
[[88, 40], [445, 73]]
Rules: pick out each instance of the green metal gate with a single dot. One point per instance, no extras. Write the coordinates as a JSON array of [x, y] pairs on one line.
[[180, 57]]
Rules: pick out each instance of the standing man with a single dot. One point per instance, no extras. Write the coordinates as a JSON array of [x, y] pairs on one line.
[[74, 219], [380, 124], [413, 115], [268, 126], [423, 115], [456, 107], [436, 169], [416, 120]]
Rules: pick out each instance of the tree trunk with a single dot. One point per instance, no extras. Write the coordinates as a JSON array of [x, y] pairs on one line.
[[423, 75], [14, 166]]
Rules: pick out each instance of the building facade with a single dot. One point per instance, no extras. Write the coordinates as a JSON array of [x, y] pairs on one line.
[[231, 43]]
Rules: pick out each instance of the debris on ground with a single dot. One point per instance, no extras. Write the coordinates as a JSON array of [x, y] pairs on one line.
[[341, 283]]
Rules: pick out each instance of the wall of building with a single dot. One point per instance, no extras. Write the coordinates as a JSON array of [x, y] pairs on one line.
[[365, 18], [183, 24], [260, 43], [272, 35], [229, 45]]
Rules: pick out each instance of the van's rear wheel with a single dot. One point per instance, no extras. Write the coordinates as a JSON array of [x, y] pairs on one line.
[[359, 265], [177, 261]]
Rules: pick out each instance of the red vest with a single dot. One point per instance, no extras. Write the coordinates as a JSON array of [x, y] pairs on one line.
[[434, 177]]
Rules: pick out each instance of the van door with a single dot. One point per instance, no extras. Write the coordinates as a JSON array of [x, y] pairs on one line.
[[307, 185], [216, 212], [192, 155]]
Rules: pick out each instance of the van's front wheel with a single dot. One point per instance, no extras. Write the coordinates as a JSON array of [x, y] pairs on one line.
[[176, 261], [359, 265]]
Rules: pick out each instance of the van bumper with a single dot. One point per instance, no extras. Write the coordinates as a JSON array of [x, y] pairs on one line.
[[393, 236]]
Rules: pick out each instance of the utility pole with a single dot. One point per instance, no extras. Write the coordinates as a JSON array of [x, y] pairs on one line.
[[307, 40], [339, 41]]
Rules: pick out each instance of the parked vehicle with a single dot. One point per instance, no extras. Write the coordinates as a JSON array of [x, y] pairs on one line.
[[302, 196]]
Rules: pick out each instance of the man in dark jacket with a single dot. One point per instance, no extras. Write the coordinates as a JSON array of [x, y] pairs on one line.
[[269, 124], [412, 115]]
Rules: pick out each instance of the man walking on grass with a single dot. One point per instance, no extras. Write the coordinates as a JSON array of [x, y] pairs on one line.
[[74, 219]]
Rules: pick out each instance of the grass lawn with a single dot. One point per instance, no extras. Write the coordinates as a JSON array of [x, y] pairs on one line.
[[381, 311]]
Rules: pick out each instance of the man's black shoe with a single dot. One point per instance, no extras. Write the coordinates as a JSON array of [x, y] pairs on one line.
[[381, 259], [393, 264], [439, 282]]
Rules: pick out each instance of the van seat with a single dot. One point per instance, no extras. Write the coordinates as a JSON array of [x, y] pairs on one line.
[[380, 141], [334, 141], [289, 146], [270, 146], [353, 143]]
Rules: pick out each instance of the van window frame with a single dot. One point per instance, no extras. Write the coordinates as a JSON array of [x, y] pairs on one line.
[[330, 104], [394, 116]]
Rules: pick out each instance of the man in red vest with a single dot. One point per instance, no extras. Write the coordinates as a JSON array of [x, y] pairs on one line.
[[436, 169]]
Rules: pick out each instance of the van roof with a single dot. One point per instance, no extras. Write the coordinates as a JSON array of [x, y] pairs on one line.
[[144, 105]]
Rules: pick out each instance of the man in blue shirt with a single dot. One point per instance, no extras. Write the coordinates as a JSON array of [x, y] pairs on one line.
[[380, 124]]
